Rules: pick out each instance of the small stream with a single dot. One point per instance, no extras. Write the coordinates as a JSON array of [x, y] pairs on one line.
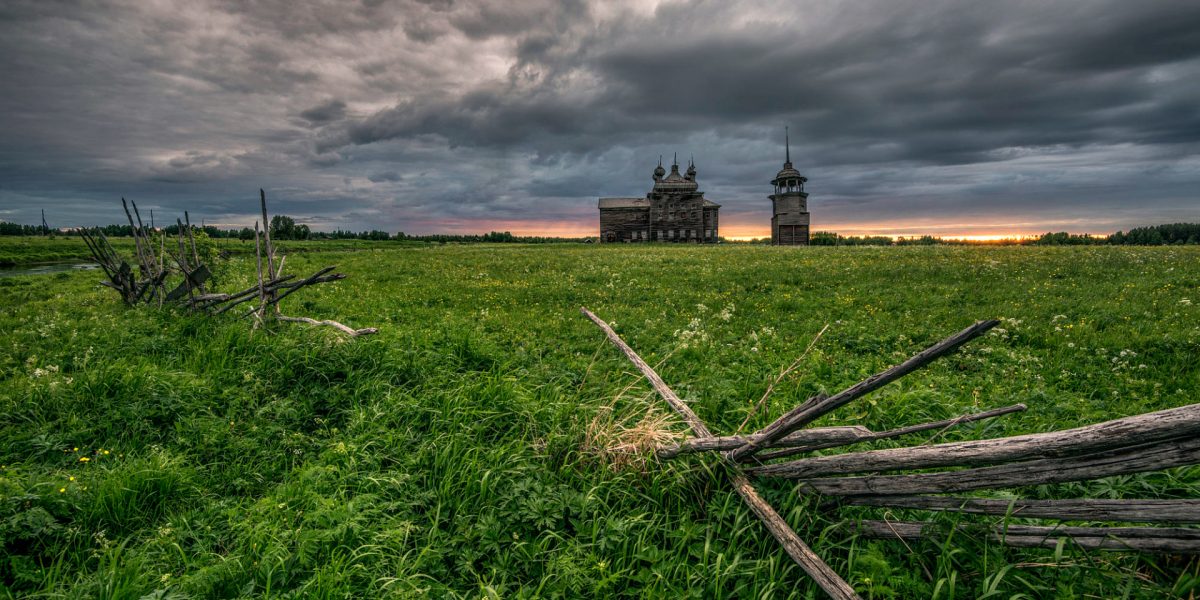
[[48, 268]]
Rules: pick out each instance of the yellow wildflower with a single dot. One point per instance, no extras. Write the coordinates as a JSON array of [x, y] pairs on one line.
[[62, 490], [84, 459], [71, 478]]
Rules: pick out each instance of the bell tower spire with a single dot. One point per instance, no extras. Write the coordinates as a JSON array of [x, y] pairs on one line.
[[787, 147]]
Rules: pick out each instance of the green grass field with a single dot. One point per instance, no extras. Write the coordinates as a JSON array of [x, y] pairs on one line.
[[463, 451]]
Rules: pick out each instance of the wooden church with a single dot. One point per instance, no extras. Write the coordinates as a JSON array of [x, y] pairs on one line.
[[675, 210]]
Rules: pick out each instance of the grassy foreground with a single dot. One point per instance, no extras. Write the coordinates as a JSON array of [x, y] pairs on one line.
[[464, 451]]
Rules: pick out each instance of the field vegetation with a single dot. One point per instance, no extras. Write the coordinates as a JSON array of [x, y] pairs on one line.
[[486, 442]]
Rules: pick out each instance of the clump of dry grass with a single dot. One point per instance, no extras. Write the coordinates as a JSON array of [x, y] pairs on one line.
[[624, 444]]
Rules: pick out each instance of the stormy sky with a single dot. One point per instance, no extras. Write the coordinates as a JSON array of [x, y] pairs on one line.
[[949, 118]]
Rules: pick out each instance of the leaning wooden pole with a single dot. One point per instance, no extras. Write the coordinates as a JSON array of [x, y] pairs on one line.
[[262, 195], [814, 409], [262, 292], [821, 438], [192, 239], [808, 560], [942, 425], [137, 240], [183, 264]]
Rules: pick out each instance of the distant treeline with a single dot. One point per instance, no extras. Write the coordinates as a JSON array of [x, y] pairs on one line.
[[493, 237], [286, 228], [7, 228], [829, 238], [1156, 235]]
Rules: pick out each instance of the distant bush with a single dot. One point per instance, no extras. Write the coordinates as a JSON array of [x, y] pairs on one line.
[[829, 238], [1063, 238]]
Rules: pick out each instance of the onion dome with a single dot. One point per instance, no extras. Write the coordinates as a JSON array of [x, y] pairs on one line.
[[659, 171], [788, 172]]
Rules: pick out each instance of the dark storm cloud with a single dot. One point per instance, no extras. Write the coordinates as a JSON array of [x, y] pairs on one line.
[[328, 112], [935, 88], [385, 176], [384, 113]]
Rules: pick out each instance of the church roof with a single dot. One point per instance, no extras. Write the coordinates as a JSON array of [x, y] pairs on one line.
[[624, 203], [641, 203], [788, 172], [675, 182]]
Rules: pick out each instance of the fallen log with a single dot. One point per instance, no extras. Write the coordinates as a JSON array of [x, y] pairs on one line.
[[247, 293], [317, 277], [815, 409], [351, 331], [1139, 429], [1133, 511], [804, 438], [893, 433], [1175, 540], [1122, 461]]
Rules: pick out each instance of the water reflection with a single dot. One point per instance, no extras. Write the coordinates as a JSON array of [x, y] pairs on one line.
[[48, 268]]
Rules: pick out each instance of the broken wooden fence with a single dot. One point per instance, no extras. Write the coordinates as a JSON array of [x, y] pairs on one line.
[[1136, 444], [148, 283]]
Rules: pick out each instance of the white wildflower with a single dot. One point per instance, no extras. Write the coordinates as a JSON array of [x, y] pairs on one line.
[[726, 313]]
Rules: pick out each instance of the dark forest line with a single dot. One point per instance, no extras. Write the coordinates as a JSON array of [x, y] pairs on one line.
[[286, 228]]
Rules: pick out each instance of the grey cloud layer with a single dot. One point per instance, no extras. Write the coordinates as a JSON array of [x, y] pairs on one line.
[[382, 114]]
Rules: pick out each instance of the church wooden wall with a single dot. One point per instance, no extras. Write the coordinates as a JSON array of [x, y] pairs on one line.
[[636, 225], [623, 224]]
